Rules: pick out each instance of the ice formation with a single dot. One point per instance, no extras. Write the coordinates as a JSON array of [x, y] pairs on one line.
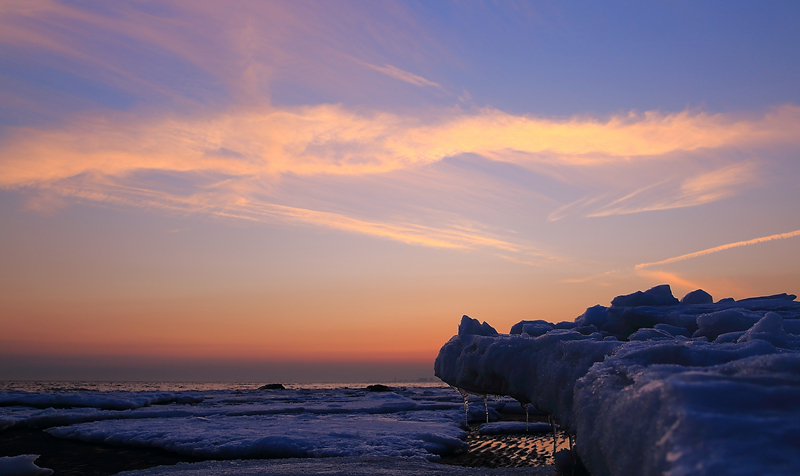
[[405, 422], [652, 385], [420, 433]]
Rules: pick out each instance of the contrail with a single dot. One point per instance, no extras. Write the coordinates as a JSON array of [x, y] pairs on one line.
[[763, 239]]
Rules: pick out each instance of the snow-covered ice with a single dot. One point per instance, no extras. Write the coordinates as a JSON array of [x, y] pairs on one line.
[[418, 433], [104, 401], [652, 385], [415, 421], [344, 466]]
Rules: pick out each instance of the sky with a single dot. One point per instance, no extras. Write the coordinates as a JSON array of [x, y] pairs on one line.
[[312, 191]]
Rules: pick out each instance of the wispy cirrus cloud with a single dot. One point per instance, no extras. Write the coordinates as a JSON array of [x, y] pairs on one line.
[[227, 198], [694, 190], [401, 75]]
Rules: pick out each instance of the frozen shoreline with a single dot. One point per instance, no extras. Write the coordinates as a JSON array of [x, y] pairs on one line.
[[108, 429], [651, 386]]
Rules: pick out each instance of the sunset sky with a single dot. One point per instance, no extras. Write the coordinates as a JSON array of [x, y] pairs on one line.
[[317, 191]]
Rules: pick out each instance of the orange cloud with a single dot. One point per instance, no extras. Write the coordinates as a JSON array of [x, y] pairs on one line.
[[330, 139], [249, 149]]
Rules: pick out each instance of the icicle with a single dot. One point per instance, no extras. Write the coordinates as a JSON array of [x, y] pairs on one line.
[[555, 435], [486, 406], [465, 396]]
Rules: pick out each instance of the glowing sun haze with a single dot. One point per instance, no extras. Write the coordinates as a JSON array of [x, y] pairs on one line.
[[312, 191]]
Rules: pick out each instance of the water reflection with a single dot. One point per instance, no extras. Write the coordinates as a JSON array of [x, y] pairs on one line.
[[509, 451]]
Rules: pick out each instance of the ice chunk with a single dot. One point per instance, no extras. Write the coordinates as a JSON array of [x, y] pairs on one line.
[[470, 326], [779, 297], [730, 320], [534, 328], [728, 337], [656, 296], [22, 465], [733, 418], [697, 297], [674, 330], [769, 328], [792, 326], [542, 370], [586, 330], [595, 315], [650, 334], [565, 325]]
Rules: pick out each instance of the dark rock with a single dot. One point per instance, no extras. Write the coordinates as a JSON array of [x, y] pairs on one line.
[[378, 388], [272, 386], [697, 297]]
